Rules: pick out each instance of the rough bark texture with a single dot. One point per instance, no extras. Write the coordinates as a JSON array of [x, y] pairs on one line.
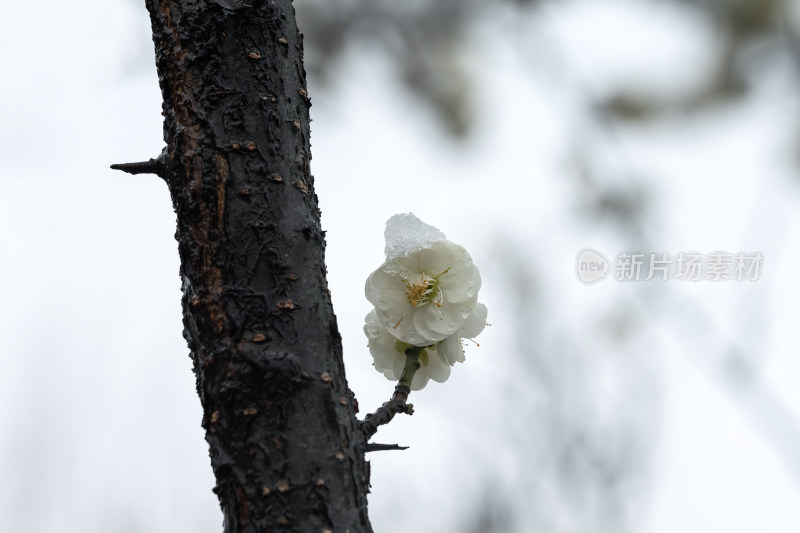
[[284, 441]]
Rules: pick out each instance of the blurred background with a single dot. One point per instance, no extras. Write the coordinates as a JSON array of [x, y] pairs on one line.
[[525, 130]]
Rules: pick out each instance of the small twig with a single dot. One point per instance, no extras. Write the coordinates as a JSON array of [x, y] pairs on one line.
[[372, 447], [397, 403]]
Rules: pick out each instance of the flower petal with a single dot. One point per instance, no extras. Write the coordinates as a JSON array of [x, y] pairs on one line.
[[383, 290], [436, 259], [382, 347], [462, 285], [420, 379], [475, 323], [447, 319], [451, 350], [399, 322], [438, 369], [421, 325]]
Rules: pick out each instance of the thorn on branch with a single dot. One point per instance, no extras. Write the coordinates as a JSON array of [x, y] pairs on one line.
[[152, 166], [372, 447]]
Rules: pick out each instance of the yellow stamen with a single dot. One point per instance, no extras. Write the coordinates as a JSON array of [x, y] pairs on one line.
[[419, 293], [425, 290]]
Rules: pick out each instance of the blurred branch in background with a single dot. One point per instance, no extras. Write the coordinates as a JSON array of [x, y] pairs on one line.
[[733, 363], [425, 42], [581, 419], [584, 452]]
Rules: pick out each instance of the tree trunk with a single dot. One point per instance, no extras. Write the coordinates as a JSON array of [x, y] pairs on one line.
[[285, 445]]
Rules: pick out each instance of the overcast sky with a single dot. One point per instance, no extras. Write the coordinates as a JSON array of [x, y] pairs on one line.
[[101, 424]]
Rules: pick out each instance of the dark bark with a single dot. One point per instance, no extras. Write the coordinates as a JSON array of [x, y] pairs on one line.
[[285, 445]]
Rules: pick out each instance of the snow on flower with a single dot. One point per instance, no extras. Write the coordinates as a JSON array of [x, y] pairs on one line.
[[435, 360], [428, 286]]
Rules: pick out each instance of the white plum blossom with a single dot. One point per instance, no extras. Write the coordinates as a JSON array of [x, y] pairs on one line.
[[428, 286], [435, 360], [425, 296]]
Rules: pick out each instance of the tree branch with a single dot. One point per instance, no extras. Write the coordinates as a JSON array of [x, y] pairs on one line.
[[284, 442]]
